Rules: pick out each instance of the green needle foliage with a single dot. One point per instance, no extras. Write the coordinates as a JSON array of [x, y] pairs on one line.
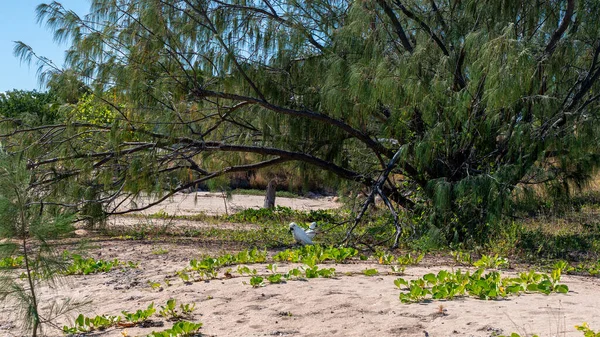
[[26, 223], [464, 105]]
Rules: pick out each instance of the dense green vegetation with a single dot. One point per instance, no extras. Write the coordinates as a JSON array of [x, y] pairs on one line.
[[453, 112]]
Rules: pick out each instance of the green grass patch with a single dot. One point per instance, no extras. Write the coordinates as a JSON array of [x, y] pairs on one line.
[[11, 262], [79, 265], [447, 285]]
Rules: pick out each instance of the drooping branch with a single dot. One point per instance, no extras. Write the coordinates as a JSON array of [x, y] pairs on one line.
[[368, 141], [33, 165], [378, 149], [289, 155], [231, 169]]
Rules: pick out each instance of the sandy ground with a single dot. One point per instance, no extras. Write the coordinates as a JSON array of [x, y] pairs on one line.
[[214, 203], [354, 305]]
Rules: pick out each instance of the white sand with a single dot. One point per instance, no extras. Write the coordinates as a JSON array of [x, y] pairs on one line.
[[342, 306]]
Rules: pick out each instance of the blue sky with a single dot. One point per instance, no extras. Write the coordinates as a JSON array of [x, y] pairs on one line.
[[18, 23]]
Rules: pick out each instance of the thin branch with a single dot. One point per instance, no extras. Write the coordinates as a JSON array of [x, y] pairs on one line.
[[423, 25], [558, 33], [397, 25], [371, 199], [231, 169]]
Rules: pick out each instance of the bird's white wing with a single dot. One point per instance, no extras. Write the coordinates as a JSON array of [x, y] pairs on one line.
[[312, 230], [299, 235]]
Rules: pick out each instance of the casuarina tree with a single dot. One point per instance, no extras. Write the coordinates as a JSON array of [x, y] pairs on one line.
[[443, 108]]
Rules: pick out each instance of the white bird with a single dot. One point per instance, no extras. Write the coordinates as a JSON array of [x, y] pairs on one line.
[[299, 234], [312, 230]]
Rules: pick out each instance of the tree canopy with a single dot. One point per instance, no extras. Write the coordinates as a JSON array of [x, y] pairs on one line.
[[446, 108]]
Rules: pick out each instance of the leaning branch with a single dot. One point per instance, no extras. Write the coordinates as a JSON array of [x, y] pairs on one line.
[[231, 169], [372, 144], [377, 189]]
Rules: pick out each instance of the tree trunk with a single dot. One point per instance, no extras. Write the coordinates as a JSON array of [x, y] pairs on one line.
[[270, 195]]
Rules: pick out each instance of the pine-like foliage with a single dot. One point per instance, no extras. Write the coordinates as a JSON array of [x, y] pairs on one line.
[[478, 98], [26, 225]]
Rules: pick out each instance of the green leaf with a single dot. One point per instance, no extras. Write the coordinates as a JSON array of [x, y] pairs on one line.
[[431, 278], [561, 288], [370, 272]]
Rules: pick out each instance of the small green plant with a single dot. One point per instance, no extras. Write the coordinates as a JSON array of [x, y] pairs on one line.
[[313, 254], [547, 284], [315, 272], [587, 332], [410, 259], [399, 282], [85, 266], [272, 267], [187, 309], [293, 273], [184, 276], [401, 261], [154, 285], [179, 329], [342, 254], [278, 213], [491, 262], [11, 262], [205, 269], [245, 270], [384, 258], [370, 272], [275, 278], [257, 281], [326, 272], [160, 251], [161, 214], [463, 258], [416, 293], [447, 285], [592, 269], [171, 311], [250, 256], [89, 324], [140, 315]]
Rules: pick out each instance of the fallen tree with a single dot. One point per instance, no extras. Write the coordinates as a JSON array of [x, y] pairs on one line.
[[442, 108]]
